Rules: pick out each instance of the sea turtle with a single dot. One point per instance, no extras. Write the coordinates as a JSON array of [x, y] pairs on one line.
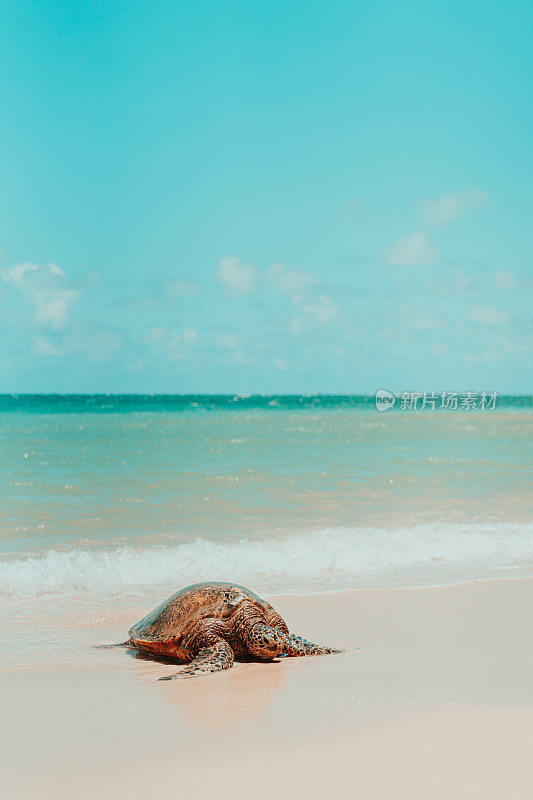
[[208, 624]]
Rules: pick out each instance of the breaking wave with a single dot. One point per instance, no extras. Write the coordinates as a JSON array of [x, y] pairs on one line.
[[331, 559]]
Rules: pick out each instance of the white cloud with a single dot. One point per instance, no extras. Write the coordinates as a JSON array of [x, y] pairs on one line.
[[488, 356], [504, 280], [281, 365], [45, 287], [292, 282], [93, 278], [228, 341], [233, 347], [17, 276], [157, 334], [145, 302], [300, 287], [417, 321], [136, 364], [52, 307], [179, 288], [488, 316], [240, 278], [103, 345], [413, 250], [521, 343], [449, 207], [180, 345], [321, 311], [454, 282], [189, 336], [237, 277], [97, 344], [42, 346]]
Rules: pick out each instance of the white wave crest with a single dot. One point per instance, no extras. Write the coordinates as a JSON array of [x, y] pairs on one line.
[[331, 559]]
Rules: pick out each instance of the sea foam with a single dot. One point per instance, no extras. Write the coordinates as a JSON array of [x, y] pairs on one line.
[[325, 560]]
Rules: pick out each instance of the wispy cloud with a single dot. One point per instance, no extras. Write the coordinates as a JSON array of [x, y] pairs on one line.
[[156, 334], [228, 341], [43, 346], [416, 319], [486, 315], [180, 345], [101, 344], [413, 250], [281, 364], [163, 293], [504, 280], [297, 284], [301, 288], [449, 207], [177, 345], [236, 277], [46, 289], [180, 288], [321, 311], [231, 345]]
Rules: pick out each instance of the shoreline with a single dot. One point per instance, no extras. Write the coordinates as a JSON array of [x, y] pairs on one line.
[[349, 559], [436, 702], [411, 587]]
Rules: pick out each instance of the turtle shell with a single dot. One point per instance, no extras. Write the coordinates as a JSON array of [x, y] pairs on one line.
[[171, 619]]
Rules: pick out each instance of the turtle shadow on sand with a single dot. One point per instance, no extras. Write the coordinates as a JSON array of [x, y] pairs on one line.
[[208, 626], [247, 695]]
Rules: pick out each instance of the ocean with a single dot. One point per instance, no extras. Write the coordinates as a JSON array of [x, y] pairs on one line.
[[108, 494]]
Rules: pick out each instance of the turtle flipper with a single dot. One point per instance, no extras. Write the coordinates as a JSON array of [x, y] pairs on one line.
[[296, 646], [217, 657], [127, 643]]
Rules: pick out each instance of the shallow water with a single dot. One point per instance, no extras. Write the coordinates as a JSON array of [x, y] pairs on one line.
[[311, 495]]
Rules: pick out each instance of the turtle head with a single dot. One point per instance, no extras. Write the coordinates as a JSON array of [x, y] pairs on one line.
[[265, 642]]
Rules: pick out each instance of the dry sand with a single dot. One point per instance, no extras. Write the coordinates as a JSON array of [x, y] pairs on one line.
[[435, 703]]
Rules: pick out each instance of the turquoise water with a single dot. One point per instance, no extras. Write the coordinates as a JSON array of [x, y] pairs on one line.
[[103, 494]]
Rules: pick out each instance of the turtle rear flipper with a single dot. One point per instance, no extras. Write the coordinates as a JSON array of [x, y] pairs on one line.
[[127, 643], [215, 658]]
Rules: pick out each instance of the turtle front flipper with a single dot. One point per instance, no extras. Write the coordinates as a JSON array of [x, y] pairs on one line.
[[215, 658], [296, 646]]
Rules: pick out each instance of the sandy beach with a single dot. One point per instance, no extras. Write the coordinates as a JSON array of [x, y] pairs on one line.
[[433, 699]]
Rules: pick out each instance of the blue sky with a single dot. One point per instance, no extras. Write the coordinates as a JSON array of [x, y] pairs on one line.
[[265, 197]]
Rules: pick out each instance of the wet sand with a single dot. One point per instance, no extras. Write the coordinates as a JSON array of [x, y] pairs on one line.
[[436, 702]]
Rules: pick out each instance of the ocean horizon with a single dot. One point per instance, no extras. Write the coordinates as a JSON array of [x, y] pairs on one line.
[[99, 402]]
